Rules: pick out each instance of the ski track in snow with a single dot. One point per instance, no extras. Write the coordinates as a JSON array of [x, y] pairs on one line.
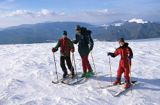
[[27, 71]]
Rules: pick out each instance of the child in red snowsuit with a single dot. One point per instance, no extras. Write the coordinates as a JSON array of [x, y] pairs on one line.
[[125, 62], [66, 46]]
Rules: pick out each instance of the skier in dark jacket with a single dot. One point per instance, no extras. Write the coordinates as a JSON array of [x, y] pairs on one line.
[[66, 46], [125, 62], [85, 45]]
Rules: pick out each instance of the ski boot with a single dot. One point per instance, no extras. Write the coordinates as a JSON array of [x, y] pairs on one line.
[[72, 75], [117, 82], [65, 75], [84, 74], [89, 74], [127, 84]]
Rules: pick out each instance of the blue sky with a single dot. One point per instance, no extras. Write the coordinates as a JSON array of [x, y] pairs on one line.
[[16, 12]]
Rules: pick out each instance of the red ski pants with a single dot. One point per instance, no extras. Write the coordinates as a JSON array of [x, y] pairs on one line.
[[126, 71], [85, 63]]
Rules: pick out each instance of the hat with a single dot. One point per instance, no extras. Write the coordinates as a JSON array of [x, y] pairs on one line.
[[121, 40], [65, 32], [89, 31], [78, 27]]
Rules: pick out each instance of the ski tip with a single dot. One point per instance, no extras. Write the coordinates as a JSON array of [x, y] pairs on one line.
[[55, 82]]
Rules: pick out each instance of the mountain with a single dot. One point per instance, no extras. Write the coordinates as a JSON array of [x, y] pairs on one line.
[[51, 31], [132, 29], [37, 33]]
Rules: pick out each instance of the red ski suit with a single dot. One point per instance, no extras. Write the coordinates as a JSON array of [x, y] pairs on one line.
[[125, 61]]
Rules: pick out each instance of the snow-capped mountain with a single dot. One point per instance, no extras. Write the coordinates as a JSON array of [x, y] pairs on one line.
[[118, 23], [27, 71], [105, 26], [137, 21], [131, 29], [133, 20]]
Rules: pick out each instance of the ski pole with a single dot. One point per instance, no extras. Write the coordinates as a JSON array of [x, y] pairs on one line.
[[73, 58], [55, 66], [93, 63], [95, 69], [130, 74], [110, 69]]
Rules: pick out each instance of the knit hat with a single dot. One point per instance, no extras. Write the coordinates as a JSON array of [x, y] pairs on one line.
[[65, 32], [121, 40]]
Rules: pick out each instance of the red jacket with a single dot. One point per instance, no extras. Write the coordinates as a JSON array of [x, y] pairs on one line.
[[126, 54], [65, 45]]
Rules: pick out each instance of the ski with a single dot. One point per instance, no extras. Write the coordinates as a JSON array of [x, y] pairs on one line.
[[75, 81], [72, 81], [120, 92], [62, 79], [55, 82], [59, 81], [124, 90], [80, 81], [108, 86], [68, 79]]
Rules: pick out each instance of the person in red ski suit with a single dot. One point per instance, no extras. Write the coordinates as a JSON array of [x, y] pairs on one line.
[[125, 62], [66, 46]]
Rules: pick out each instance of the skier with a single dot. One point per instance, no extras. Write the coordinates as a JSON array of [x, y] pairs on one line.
[[85, 45], [66, 46], [125, 62]]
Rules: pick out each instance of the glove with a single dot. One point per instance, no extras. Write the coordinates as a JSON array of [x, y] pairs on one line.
[[53, 50], [130, 57], [110, 54], [90, 49], [72, 50]]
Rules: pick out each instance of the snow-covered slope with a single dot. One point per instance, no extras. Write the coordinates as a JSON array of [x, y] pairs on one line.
[[26, 73]]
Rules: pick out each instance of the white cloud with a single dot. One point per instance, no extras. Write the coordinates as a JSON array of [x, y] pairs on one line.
[[41, 13], [94, 16], [98, 13], [20, 13], [45, 12]]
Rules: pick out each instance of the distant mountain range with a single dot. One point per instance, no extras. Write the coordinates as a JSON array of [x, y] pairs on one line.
[[131, 30], [51, 31]]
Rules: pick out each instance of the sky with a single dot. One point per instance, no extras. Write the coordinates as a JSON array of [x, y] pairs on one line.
[[16, 12]]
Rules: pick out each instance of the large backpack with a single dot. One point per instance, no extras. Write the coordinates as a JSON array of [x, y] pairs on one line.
[[86, 35]]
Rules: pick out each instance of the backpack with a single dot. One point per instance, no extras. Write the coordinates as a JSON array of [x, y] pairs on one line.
[[86, 35]]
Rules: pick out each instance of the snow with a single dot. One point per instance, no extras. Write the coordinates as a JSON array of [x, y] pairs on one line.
[[105, 26], [118, 24], [27, 71], [137, 21]]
